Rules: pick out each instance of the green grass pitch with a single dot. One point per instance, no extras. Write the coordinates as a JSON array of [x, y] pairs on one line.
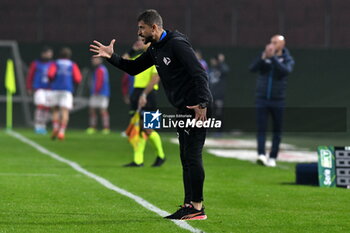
[[40, 194]]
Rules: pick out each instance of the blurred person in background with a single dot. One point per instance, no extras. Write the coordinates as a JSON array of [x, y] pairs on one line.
[[217, 75], [201, 60], [128, 80], [143, 98], [99, 99], [223, 67], [38, 83], [127, 87], [273, 65], [63, 73]]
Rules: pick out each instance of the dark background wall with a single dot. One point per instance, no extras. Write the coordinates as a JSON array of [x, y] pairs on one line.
[[317, 33], [320, 79], [247, 23]]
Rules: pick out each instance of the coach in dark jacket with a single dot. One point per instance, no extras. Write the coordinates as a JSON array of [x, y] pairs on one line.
[[273, 65], [186, 86]]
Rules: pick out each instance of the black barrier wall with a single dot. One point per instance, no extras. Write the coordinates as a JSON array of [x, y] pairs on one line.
[[320, 79]]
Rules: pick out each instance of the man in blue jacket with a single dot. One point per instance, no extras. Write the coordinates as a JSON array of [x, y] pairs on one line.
[[273, 65]]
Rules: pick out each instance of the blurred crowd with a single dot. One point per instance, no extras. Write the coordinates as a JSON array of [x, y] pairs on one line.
[[52, 84]]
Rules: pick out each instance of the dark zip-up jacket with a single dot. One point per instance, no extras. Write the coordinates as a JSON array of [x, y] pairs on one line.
[[273, 72], [185, 81]]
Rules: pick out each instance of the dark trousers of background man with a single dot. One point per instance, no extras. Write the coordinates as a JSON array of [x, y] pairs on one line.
[[264, 110]]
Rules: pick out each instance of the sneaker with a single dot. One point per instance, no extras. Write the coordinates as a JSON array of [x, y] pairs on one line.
[[159, 162], [188, 212], [90, 130], [133, 164], [106, 131], [261, 160], [54, 134], [60, 136], [271, 162]]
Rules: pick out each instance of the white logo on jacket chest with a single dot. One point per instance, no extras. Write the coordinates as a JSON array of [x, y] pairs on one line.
[[166, 60]]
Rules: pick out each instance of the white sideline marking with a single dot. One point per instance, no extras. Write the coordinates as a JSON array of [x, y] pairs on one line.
[[246, 150], [250, 155], [103, 181]]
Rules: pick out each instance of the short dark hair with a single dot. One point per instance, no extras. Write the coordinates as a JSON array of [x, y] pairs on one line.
[[46, 49], [151, 17], [65, 52]]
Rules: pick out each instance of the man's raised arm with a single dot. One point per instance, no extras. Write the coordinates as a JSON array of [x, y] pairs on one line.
[[132, 67]]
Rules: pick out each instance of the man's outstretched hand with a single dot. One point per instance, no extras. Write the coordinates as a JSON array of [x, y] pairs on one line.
[[102, 50]]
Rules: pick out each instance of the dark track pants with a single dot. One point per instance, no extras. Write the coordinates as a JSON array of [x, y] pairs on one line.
[[264, 109], [191, 142]]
